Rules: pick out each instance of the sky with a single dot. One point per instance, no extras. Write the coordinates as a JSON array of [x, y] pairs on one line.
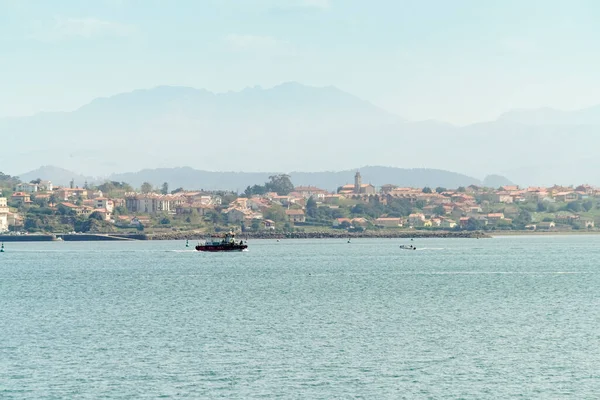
[[460, 61]]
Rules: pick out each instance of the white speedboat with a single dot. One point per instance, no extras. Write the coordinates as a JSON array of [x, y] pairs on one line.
[[407, 247]]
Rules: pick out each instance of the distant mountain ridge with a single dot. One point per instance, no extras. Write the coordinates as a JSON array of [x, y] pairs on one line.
[[293, 127], [551, 116], [192, 179], [58, 176]]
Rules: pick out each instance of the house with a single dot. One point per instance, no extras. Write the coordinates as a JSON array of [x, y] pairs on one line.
[[42, 197], [78, 210], [269, 224], [64, 194], [103, 212], [389, 222], [257, 204], [535, 194], [15, 219], [311, 191], [4, 211], [416, 219], [235, 215], [586, 223], [494, 217], [103, 203], [360, 222], [502, 197], [340, 221], [295, 216], [566, 218], [448, 223], [566, 196], [151, 203], [45, 186], [21, 198], [140, 221], [586, 189], [546, 225], [26, 187], [201, 209], [388, 188], [463, 222], [282, 200]]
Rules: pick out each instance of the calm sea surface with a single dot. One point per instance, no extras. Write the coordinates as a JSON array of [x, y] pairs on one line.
[[302, 319]]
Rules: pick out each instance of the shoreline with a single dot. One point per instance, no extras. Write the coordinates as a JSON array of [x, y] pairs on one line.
[[329, 235], [194, 235], [543, 233]]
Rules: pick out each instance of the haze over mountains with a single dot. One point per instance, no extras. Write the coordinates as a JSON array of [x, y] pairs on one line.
[[190, 178], [293, 127]]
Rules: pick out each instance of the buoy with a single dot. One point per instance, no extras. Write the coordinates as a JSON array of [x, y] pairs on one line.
[[187, 244], [2, 248]]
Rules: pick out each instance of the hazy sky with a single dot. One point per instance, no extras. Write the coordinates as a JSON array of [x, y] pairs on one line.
[[460, 61]]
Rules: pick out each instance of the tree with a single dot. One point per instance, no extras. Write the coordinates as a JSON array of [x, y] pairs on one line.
[[523, 219], [440, 189], [97, 216], [427, 190], [165, 188], [439, 210], [255, 190], [311, 208], [179, 189], [165, 221], [255, 225], [461, 189], [588, 205], [110, 186], [541, 206], [146, 187], [275, 213], [574, 206], [36, 181], [473, 225], [281, 184], [345, 225], [31, 224]]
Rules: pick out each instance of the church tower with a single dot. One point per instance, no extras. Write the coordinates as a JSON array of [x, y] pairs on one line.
[[357, 183]]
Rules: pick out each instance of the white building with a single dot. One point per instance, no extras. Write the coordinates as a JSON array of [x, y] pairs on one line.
[[3, 214], [27, 187], [104, 203], [150, 203]]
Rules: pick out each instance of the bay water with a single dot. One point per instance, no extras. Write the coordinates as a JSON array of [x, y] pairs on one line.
[[506, 317]]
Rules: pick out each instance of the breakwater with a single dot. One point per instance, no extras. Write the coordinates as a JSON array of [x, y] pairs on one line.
[[253, 235]]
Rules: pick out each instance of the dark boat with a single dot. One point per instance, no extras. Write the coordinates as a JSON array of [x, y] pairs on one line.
[[227, 243]]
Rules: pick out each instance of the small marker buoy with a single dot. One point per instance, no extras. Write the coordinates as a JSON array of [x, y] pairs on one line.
[[2, 248]]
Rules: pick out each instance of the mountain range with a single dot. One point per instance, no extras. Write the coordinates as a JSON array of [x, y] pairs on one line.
[[293, 127], [190, 178]]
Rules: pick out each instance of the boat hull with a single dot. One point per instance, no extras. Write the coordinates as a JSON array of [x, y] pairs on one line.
[[222, 247]]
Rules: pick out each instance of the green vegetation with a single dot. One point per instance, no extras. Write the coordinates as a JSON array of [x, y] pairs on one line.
[[280, 184]]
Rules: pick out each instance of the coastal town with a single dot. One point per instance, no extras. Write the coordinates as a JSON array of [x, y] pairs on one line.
[[279, 206]]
